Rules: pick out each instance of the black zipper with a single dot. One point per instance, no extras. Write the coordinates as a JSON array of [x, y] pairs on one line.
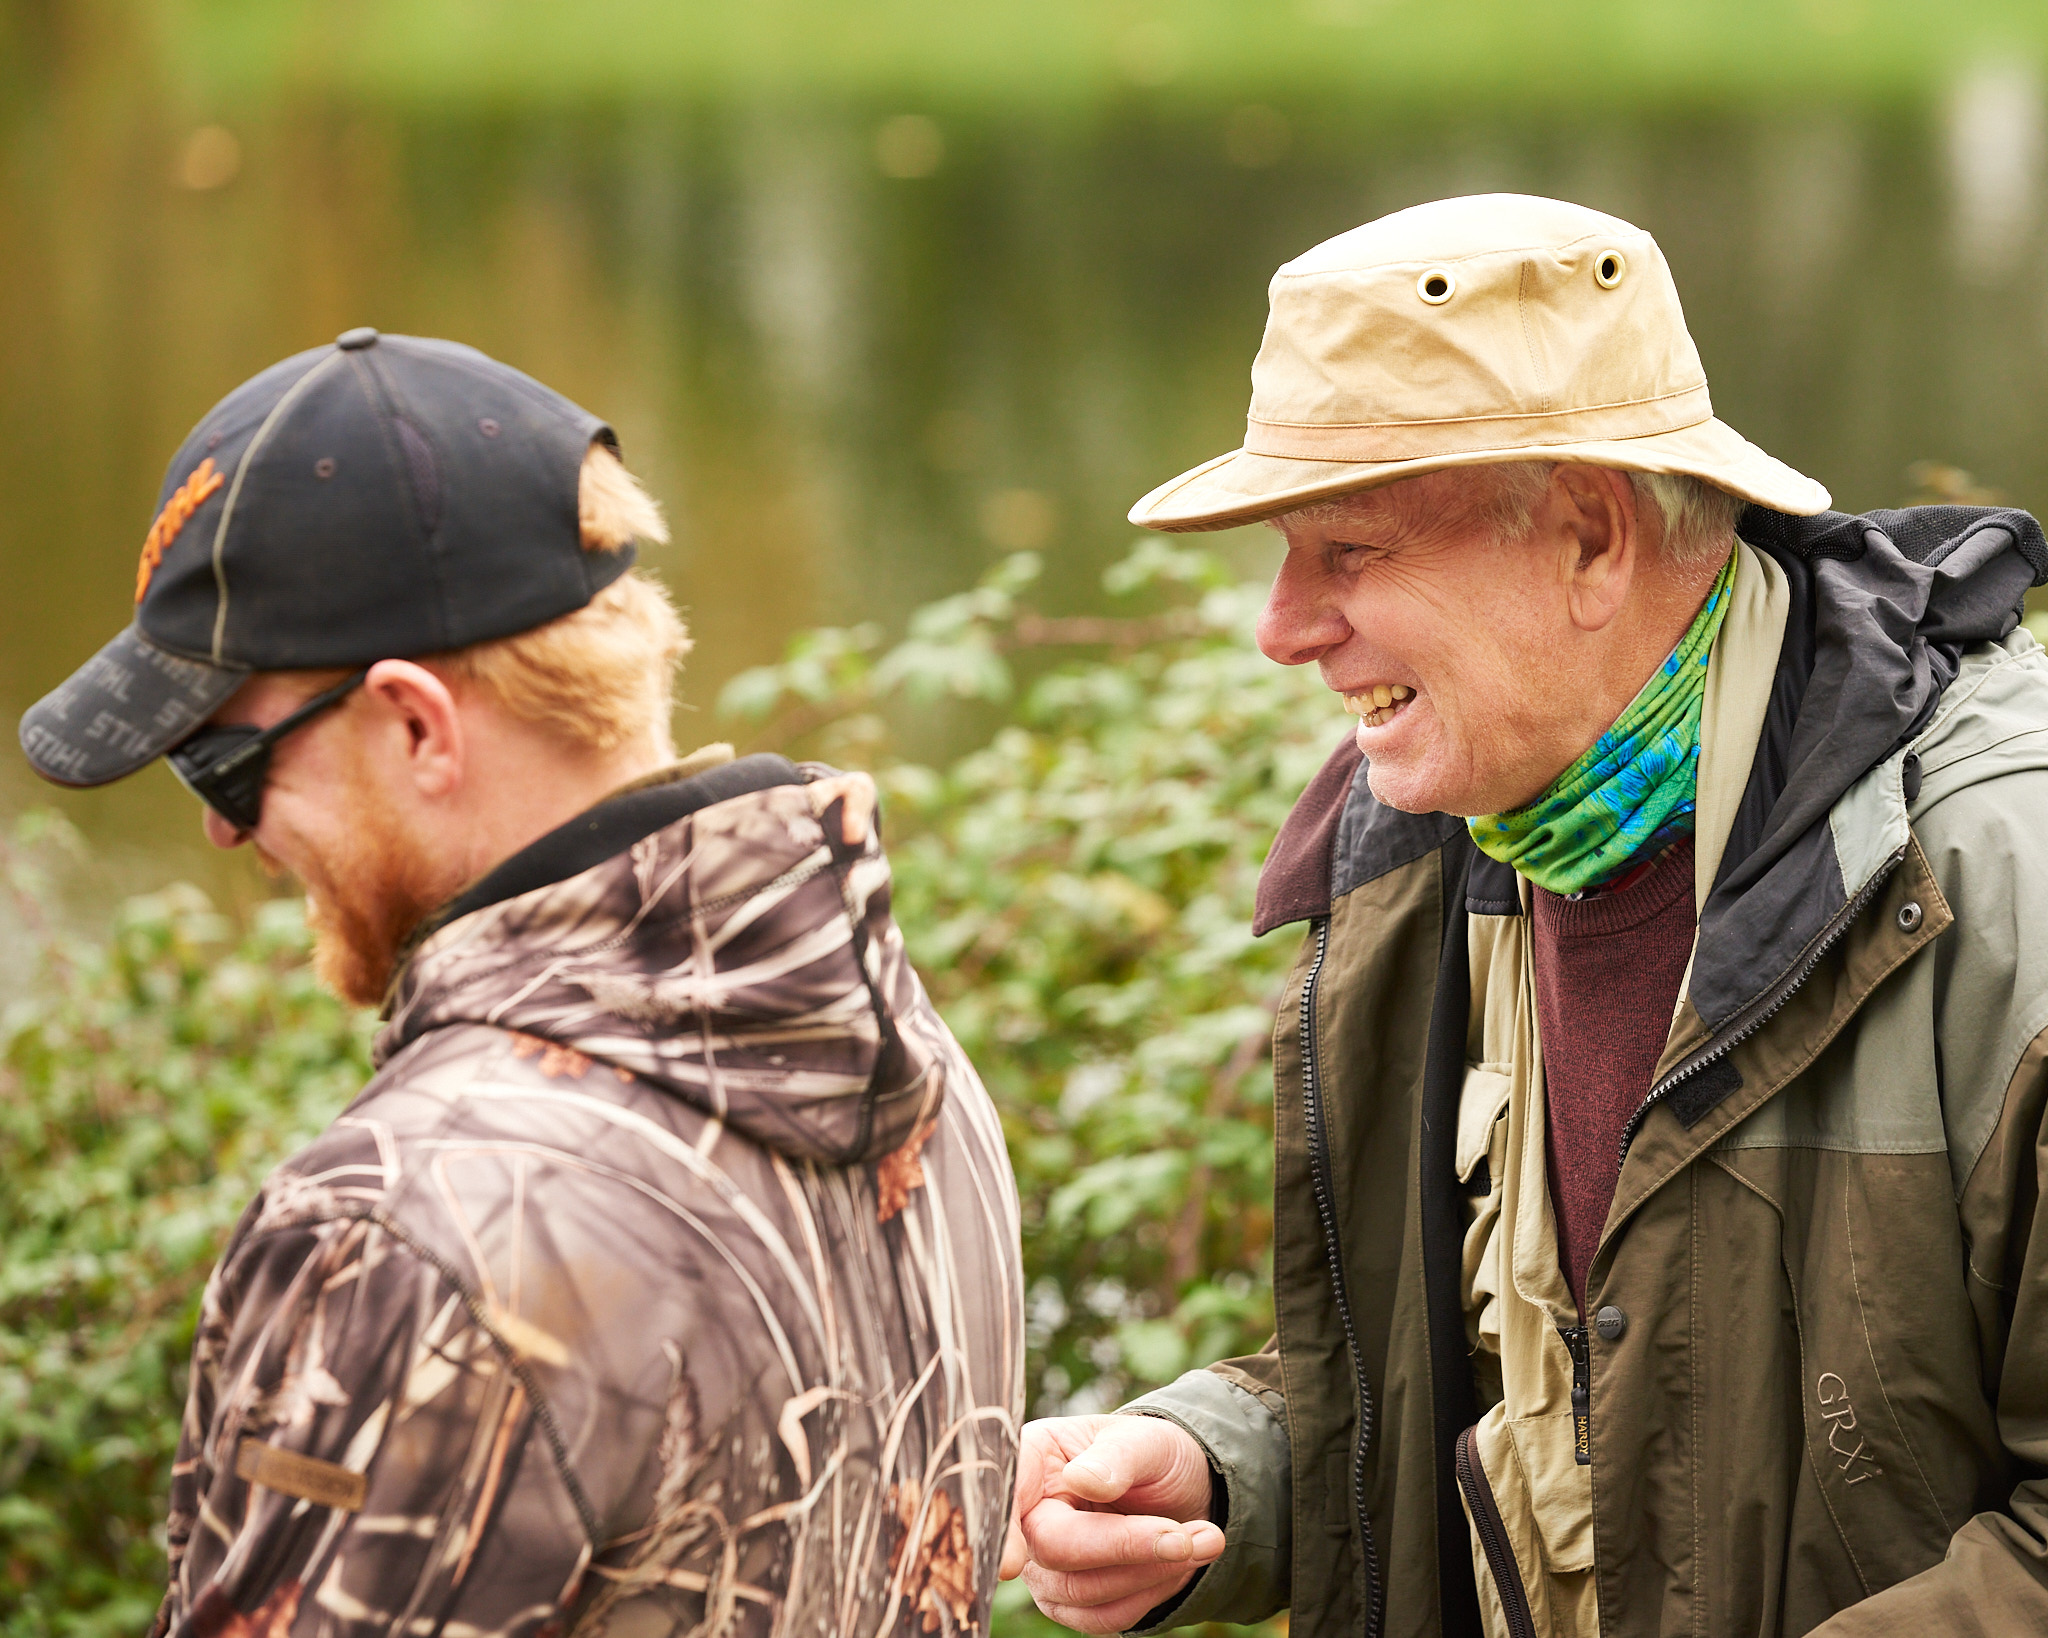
[[1759, 1012], [1493, 1540], [1582, 1392], [1319, 1166]]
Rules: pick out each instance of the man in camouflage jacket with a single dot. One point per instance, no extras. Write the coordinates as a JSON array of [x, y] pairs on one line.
[[665, 1278], [663, 1275]]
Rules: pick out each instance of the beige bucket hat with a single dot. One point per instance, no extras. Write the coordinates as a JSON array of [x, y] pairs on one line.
[[1499, 327]]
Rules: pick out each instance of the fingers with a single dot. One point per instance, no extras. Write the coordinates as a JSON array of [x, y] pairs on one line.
[[1015, 1554], [1062, 1536], [1111, 1517], [1089, 1589], [858, 792], [1105, 1601], [1042, 1451]]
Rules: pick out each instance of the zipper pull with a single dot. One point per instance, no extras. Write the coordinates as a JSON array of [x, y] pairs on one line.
[[1582, 1392]]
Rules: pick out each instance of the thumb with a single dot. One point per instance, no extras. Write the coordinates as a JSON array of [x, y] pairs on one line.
[[1129, 1452]]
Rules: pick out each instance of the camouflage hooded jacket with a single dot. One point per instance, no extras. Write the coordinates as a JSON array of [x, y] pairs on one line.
[[664, 1279]]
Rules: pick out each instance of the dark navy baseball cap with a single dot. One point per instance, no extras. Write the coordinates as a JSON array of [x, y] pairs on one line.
[[382, 498]]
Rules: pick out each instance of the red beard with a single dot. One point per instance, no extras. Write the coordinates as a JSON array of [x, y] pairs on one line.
[[362, 905]]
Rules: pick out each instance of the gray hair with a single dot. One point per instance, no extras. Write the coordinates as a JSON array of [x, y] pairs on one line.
[[1699, 519]]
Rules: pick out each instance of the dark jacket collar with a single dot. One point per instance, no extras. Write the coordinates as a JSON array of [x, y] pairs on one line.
[[597, 833], [1295, 884]]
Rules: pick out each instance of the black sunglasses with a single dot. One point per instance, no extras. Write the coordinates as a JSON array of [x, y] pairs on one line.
[[226, 767]]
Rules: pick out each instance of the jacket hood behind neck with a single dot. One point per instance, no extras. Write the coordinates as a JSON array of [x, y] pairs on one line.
[[741, 957], [1883, 606]]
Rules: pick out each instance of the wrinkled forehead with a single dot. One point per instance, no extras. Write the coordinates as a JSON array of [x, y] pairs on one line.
[[1431, 501]]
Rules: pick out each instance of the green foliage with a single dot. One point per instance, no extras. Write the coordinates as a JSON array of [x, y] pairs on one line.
[[1077, 892], [1625, 53], [1078, 896], [147, 1083]]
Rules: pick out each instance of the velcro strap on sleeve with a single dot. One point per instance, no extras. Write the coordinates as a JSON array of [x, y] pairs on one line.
[[290, 1474]]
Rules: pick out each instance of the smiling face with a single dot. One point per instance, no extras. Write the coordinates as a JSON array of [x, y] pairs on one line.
[[1480, 666]]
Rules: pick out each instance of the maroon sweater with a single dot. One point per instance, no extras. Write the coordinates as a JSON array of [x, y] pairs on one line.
[[1608, 968]]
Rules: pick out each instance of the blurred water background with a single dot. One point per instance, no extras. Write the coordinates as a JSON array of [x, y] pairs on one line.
[[875, 293]]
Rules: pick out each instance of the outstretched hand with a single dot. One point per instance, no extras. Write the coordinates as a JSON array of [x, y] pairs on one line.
[[1111, 1518]]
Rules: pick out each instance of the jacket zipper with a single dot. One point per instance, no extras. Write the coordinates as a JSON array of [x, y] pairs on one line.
[[1500, 1558], [1582, 1392], [1493, 1540], [1762, 1010], [1319, 1159]]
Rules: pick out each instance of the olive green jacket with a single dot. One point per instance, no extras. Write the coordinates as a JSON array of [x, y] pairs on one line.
[[1829, 1407]]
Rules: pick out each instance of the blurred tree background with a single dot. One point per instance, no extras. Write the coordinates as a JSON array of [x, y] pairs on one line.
[[887, 299], [876, 292]]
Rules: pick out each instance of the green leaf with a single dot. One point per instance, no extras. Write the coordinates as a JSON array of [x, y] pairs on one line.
[[1153, 1349]]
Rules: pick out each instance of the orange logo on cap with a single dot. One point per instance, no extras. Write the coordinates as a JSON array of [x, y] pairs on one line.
[[186, 499]]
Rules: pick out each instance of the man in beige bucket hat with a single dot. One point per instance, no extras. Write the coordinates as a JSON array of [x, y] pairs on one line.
[[1659, 1094]]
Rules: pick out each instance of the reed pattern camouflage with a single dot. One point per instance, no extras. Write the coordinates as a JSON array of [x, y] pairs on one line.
[[663, 1281]]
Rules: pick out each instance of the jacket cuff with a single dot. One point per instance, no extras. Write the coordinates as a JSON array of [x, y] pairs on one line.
[[1247, 1446]]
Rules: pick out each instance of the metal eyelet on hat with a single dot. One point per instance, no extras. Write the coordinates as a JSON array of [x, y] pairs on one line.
[[1610, 269], [1437, 286]]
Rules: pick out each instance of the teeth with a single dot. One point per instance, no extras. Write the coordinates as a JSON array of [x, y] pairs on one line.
[[1374, 704]]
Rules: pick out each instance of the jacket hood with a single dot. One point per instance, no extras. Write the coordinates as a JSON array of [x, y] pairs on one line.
[[740, 957], [1883, 607]]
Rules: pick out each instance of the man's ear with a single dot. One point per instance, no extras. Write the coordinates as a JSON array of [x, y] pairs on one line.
[[422, 722], [1601, 546]]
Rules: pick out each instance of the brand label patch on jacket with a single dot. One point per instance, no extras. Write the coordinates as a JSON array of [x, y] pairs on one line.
[[186, 499], [1848, 1445], [307, 1477]]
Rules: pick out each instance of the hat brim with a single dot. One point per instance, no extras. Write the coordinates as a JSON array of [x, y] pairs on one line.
[[120, 711], [1242, 487]]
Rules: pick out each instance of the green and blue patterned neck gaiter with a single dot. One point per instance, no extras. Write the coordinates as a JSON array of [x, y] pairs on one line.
[[1633, 789]]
